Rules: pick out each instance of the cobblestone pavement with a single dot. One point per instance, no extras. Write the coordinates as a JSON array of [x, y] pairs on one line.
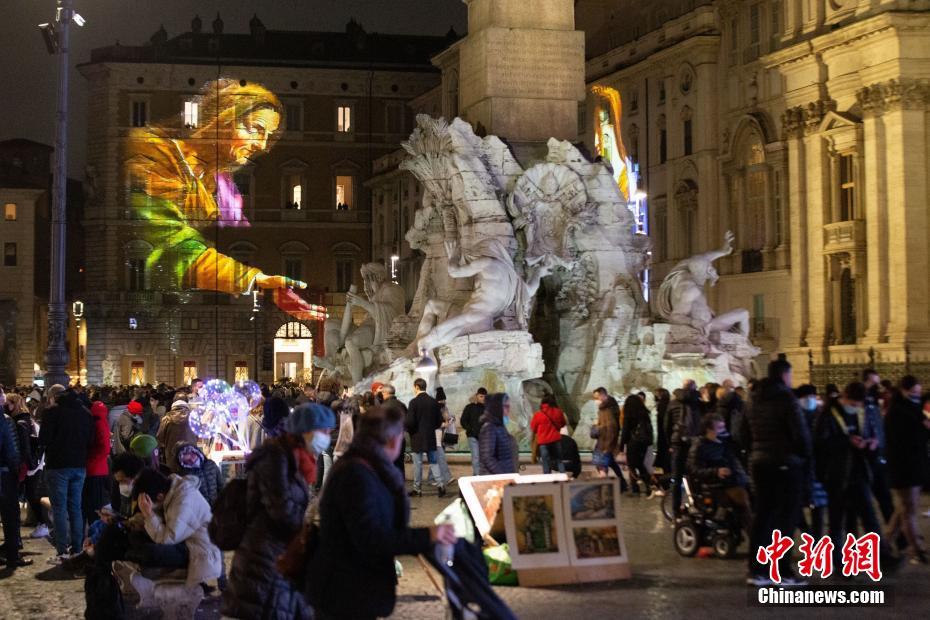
[[664, 585]]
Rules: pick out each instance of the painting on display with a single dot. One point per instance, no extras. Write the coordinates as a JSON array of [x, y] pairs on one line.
[[535, 524], [484, 496], [592, 509]]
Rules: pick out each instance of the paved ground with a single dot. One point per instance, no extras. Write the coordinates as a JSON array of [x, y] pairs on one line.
[[664, 585]]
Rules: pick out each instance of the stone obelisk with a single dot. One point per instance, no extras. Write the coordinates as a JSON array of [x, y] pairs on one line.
[[522, 70]]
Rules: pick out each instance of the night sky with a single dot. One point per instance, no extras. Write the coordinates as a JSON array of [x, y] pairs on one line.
[[28, 73]]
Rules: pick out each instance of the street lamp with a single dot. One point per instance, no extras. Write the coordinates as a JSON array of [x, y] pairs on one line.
[[57, 40]]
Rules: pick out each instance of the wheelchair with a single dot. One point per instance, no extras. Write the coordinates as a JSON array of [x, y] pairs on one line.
[[706, 522]]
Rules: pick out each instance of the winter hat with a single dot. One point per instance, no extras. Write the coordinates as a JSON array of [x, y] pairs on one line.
[[143, 445], [310, 417], [189, 456], [134, 407], [275, 411], [180, 404]]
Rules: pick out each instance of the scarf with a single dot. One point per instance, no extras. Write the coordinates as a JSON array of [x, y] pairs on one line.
[[371, 454]]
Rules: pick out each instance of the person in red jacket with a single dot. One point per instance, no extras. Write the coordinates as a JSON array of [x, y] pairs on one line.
[[546, 424], [97, 480]]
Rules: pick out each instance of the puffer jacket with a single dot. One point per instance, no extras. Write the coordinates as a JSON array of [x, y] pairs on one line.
[[684, 420], [276, 500], [175, 428], [210, 474], [127, 427], [184, 517], [775, 431], [97, 455], [495, 447]]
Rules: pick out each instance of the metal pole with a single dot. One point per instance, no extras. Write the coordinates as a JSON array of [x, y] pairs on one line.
[[56, 356]]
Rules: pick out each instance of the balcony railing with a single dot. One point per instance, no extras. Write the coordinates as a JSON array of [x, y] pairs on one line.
[[844, 236]]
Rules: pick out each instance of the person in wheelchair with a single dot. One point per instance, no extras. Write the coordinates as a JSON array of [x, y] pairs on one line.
[[715, 469]]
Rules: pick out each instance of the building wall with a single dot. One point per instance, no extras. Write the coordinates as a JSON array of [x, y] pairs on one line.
[[214, 330], [18, 301], [798, 126]]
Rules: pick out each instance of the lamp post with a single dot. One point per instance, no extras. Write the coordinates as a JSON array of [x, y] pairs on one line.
[[56, 355]]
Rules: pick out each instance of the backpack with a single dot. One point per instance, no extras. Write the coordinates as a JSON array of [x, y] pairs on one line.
[[230, 517]]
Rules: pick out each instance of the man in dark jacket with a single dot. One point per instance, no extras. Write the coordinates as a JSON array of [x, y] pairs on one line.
[[712, 464], [67, 432], [388, 396], [875, 427], [364, 523], [471, 422], [424, 416], [683, 421], [779, 445], [843, 454], [9, 494]]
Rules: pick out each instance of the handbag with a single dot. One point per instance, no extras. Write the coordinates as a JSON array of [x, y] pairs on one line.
[[294, 562], [449, 436]]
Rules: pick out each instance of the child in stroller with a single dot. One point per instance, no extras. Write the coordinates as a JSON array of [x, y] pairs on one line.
[[718, 503]]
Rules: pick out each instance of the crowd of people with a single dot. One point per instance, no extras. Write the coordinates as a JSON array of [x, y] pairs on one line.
[[122, 485]]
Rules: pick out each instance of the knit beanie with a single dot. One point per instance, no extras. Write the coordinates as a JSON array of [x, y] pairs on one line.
[[143, 446], [134, 407], [310, 417]]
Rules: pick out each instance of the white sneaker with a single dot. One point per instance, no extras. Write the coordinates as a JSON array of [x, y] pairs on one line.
[[659, 493], [41, 531], [56, 560], [450, 481]]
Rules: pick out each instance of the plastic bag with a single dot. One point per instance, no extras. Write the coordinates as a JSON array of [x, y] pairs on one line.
[[500, 569]]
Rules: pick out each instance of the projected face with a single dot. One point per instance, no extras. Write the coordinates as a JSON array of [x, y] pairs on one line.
[[252, 133]]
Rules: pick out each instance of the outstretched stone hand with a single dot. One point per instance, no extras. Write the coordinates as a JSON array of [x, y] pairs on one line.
[[263, 280], [452, 249], [728, 240]]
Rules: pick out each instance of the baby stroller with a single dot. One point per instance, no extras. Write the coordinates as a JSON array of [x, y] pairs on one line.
[[706, 522], [469, 595]]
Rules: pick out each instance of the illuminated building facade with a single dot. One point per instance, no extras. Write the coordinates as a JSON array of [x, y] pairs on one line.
[[802, 127], [219, 162]]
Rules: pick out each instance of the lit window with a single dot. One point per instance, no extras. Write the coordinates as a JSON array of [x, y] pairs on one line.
[[9, 254], [9, 212], [136, 274], [190, 372], [294, 191], [191, 114], [140, 113], [133, 323], [343, 193], [242, 371], [137, 373], [344, 119]]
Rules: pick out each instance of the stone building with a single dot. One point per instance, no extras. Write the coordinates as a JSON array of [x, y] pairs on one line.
[[25, 193], [802, 127], [345, 101]]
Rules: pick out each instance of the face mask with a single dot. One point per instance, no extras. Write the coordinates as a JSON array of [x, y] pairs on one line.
[[809, 403], [723, 434], [506, 420], [125, 488], [915, 399], [319, 443]]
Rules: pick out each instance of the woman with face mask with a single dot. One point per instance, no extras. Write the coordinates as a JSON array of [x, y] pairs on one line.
[[280, 475], [496, 445], [906, 431]]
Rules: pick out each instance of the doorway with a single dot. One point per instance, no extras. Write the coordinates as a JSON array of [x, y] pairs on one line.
[[293, 352]]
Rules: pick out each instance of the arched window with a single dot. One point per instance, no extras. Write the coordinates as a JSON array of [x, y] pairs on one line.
[[755, 212], [244, 254], [346, 259], [136, 255], [293, 330], [187, 252], [293, 254], [686, 203]]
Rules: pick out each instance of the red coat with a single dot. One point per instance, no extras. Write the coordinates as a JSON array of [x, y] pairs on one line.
[[546, 424], [97, 455]]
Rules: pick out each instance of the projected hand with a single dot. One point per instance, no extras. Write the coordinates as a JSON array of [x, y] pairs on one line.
[[265, 281]]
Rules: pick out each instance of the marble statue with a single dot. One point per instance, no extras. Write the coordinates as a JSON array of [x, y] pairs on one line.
[[357, 348], [681, 298]]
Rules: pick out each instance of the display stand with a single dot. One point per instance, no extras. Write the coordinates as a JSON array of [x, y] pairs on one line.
[[565, 532]]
